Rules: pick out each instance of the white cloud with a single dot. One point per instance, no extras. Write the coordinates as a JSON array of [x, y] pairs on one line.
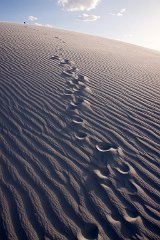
[[123, 10], [48, 25], [129, 35], [43, 25], [119, 14], [38, 24], [78, 5], [32, 18], [88, 18]]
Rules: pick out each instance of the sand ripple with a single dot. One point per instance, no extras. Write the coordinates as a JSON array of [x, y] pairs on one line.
[[79, 151]]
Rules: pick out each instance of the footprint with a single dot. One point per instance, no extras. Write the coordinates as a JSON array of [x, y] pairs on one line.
[[81, 85], [72, 110], [83, 78], [90, 231], [132, 214], [72, 69], [66, 73], [56, 57], [70, 72], [75, 89], [75, 80], [66, 61], [106, 147], [82, 104], [79, 100], [85, 106], [70, 83], [73, 104], [77, 120], [107, 154], [123, 169], [84, 92], [71, 107], [80, 135]]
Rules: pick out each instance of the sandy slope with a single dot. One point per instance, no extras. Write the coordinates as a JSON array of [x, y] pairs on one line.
[[78, 157]]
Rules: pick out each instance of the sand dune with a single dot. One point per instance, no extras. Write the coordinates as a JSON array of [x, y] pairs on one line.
[[79, 137]]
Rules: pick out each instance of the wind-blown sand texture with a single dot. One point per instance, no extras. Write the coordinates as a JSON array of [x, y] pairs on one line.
[[79, 137]]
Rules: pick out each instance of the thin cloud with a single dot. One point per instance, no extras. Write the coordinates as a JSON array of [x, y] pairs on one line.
[[88, 18], [43, 25], [32, 18], [38, 24], [119, 14], [78, 5]]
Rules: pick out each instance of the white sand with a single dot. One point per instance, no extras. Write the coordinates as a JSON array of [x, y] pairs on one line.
[[78, 157]]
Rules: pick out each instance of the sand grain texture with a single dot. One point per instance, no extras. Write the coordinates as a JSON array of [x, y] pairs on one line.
[[79, 137]]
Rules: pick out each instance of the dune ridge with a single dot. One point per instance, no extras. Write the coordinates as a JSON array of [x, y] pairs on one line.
[[79, 136]]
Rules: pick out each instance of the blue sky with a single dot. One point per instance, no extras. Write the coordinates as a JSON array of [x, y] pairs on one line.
[[134, 21]]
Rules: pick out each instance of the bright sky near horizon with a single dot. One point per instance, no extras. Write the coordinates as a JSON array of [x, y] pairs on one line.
[[133, 21]]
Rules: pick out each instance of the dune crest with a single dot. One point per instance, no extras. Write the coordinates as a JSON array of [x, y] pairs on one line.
[[79, 137]]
